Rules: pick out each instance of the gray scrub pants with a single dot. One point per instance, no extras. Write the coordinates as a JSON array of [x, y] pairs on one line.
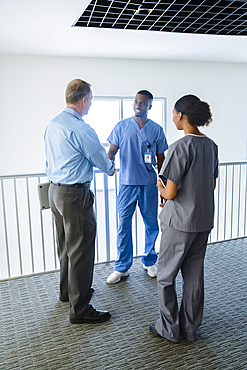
[[75, 222], [185, 251]]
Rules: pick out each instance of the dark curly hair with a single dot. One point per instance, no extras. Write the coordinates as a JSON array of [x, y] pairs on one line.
[[198, 112], [147, 93]]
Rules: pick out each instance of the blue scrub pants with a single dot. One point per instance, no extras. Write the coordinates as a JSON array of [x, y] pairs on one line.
[[147, 197]]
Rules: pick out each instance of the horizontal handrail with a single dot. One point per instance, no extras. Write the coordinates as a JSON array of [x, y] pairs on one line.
[[232, 163], [42, 174]]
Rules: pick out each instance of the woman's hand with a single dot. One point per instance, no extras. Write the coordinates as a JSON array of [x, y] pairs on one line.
[[159, 185], [162, 201], [160, 188], [169, 192]]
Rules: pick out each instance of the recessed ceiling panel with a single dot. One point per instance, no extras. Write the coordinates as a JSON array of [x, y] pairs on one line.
[[213, 17]]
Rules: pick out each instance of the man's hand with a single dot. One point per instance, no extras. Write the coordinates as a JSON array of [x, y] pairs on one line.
[[113, 172]]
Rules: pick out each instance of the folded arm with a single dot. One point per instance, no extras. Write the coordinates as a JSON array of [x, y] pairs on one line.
[[169, 192]]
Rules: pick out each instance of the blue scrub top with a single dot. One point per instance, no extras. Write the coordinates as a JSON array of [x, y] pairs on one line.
[[133, 143]]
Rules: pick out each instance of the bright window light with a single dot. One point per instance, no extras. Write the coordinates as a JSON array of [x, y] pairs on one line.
[[103, 116]]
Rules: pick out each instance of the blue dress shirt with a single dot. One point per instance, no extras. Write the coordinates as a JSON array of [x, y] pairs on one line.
[[72, 150]]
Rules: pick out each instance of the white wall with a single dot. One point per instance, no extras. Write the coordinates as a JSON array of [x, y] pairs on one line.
[[32, 92]]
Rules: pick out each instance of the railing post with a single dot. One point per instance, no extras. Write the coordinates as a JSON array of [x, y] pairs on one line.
[[107, 224], [18, 228], [42, 235], [225, 203], [95, 209], [218, 210], [245, 205], [116, 193], [5, 229], [232, 199], [239, 192], [30, 224]]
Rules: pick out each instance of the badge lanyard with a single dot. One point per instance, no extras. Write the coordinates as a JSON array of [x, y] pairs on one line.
[[148, 155]]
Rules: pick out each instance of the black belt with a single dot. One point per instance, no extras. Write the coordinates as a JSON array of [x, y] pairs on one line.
[[78, 185]]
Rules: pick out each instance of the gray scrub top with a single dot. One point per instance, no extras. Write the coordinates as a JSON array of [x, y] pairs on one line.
[[192, 164]]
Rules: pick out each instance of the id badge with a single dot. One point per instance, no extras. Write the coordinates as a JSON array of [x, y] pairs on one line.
[[148, 157]]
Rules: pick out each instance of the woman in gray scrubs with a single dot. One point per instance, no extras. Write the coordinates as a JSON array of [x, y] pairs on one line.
[[189, 172]]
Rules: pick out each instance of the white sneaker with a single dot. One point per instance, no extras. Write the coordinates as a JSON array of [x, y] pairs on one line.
[[116, 276], [152, 270]]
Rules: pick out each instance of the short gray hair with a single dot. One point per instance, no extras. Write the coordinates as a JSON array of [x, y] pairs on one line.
[[76, 90]]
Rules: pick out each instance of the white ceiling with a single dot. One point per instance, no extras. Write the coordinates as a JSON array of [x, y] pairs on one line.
[[43, 27]]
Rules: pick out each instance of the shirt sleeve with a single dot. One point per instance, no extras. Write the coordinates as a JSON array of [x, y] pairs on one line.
[[95, 152], [162, 145], [174, 166], [114, 136]]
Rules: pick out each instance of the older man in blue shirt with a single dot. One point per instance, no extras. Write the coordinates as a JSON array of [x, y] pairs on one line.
[[72, 149]]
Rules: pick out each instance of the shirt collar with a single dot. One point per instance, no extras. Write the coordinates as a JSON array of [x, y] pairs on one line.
[[73, 112]]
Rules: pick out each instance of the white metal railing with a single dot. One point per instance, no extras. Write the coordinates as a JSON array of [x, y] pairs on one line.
[[27, 235], [230, 202]]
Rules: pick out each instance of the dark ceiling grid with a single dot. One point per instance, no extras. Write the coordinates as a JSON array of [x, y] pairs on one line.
[[225, 20], [241, 24], [120, 14], [244, 31], [149, 13], [175, 15], [217, 17]]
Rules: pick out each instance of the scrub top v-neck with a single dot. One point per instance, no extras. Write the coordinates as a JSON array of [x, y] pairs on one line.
[[133, 143]]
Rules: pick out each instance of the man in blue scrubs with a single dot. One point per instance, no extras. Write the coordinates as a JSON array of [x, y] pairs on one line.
[[72, 149], [142, 143]]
